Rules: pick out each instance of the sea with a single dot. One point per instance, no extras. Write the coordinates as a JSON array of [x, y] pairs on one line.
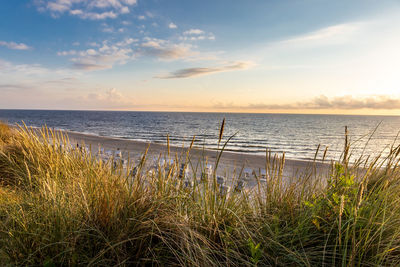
[[296, 135]]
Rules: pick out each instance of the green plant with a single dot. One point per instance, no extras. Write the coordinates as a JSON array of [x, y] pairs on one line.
[[255, 251]]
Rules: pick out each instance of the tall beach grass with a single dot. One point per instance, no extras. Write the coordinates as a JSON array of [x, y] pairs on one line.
[[64, 206]]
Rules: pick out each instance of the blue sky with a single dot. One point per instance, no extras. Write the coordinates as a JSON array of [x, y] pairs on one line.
[[240, 56]]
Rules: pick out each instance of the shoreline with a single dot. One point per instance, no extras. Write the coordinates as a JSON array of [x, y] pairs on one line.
[[226, 150], [82, 136], [230, 162]]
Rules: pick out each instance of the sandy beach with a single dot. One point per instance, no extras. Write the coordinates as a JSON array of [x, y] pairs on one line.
[[230, 164]]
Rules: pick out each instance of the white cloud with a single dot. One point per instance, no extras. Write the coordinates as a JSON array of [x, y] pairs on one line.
[[130, 2], [84, 9], [200, 37], [15, 46], [127, 42], [103, 57], [93, 44], [98, 16], [109, 53], [67, 53], [153, 42], [106, 28], [196, 35], [108, 99], [193, 32], [172, 25], [149, 14], [111, 95], [11, 72], [165, 50], [23, 69], [141, 17], [62, 94]]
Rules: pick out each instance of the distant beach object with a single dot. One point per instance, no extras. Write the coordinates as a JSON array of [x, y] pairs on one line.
[[118, 160], [165, 164], [188, 184], [207, 172], [183, 171], [133, 172], [224, 190], [100, 151], [247, 173], [263, 174], [220, 180], [239, 186]]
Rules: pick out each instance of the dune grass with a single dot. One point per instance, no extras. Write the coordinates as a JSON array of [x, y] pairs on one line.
[[63, 206]]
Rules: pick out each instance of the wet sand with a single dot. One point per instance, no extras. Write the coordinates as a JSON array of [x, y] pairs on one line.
[[230, 164]]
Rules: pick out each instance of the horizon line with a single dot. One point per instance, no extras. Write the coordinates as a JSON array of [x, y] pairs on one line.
[[209, 112]]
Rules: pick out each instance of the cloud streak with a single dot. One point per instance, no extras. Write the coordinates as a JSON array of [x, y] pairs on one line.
[[194, 72], [13, 87], [334, 33], [15, 46]]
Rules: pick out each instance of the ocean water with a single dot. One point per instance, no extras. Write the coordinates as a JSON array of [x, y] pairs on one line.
[[296, 135]]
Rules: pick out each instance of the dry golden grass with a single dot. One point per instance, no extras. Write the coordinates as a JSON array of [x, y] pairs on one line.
[[62, 206]]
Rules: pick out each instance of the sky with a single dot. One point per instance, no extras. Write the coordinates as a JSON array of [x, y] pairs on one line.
[[264, 56]]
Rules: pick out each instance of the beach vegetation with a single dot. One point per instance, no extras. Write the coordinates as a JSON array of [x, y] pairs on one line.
[[63, 206]]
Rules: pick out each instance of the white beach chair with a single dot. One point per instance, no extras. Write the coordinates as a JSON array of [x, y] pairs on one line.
[[162, 163], [209, 169], [85, 149], [154, 162], [239, 186], [100, 151], [118, 160], [187, 184], [263, 174], [62, 148], [207, 172], [248, 172], [104, 158], [224, 190], [183, 171], [171, 164], [133, 172], [220, 180], [108, 153]]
